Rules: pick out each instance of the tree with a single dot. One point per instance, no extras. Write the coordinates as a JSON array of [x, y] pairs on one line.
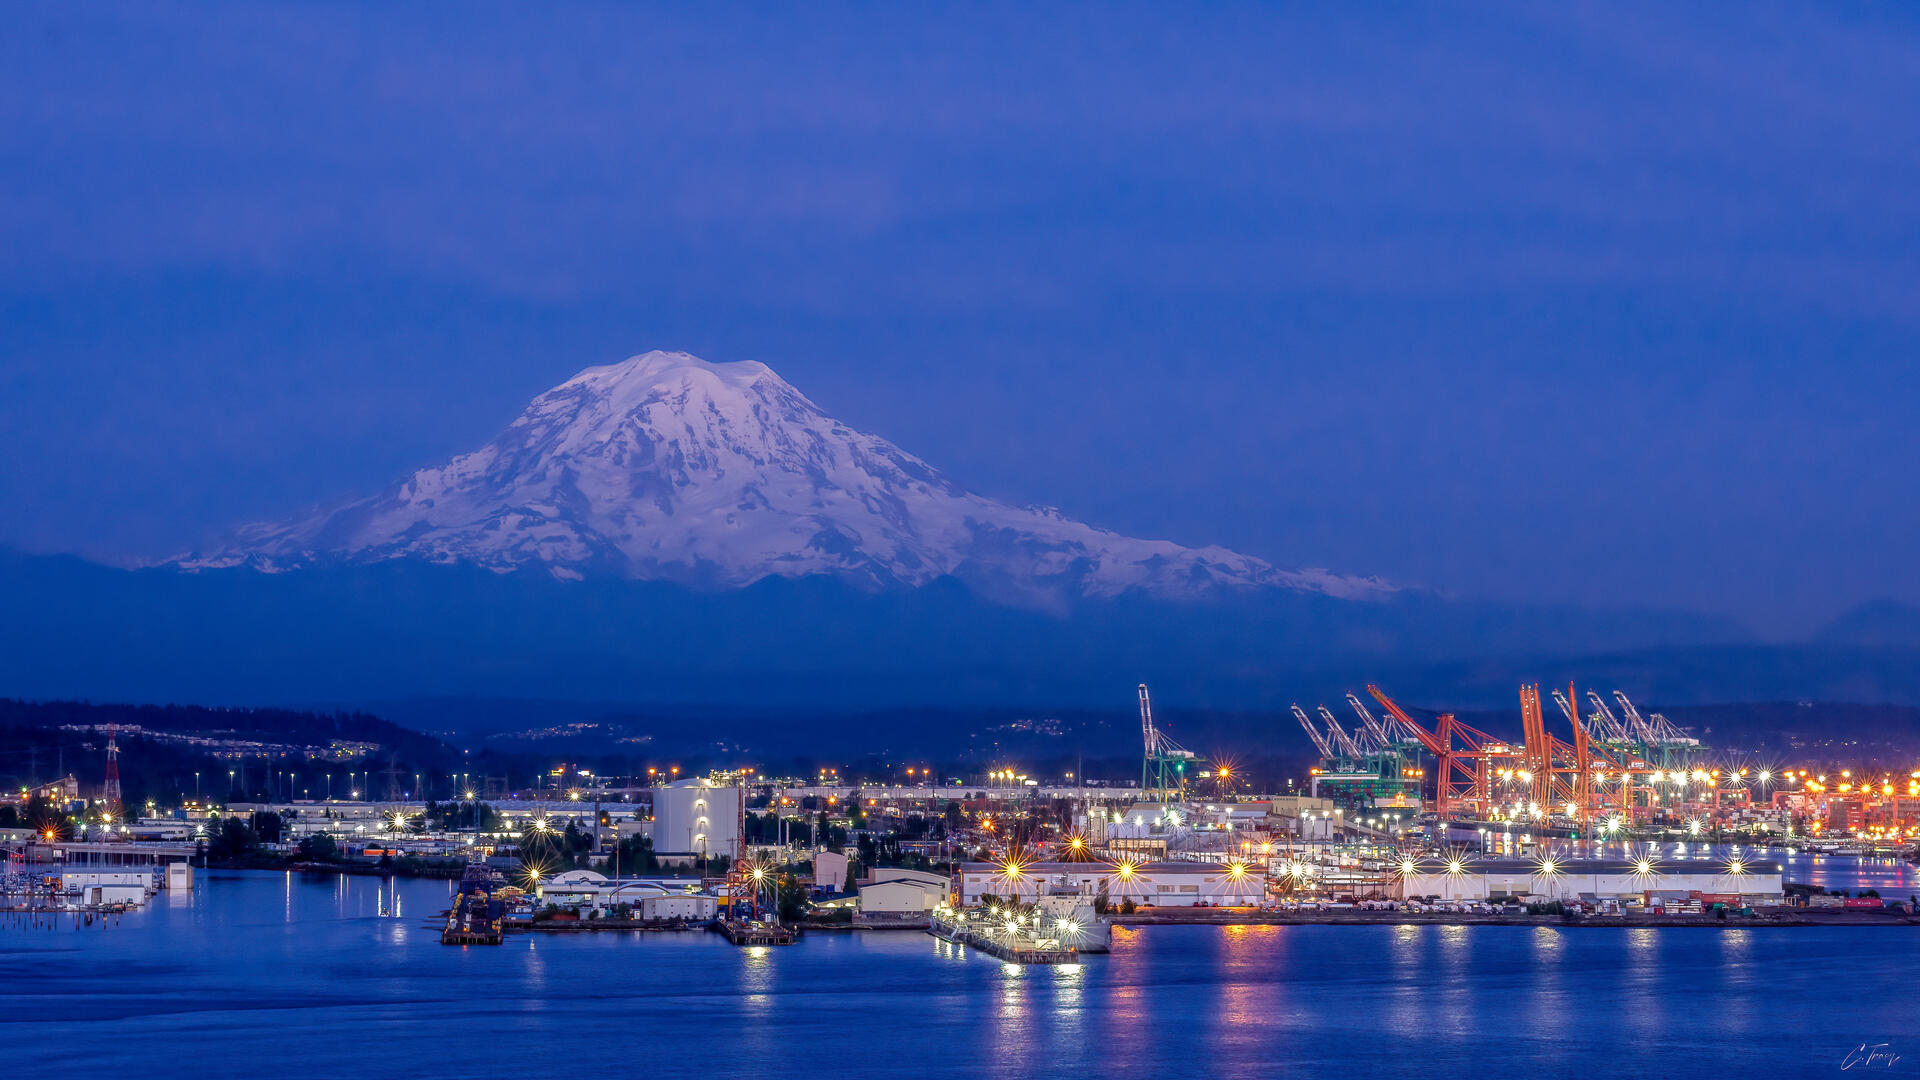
[[635, 856], [232, 839], [540, 846], [462, 816], [268, 827], [790, 898], [318, 848]]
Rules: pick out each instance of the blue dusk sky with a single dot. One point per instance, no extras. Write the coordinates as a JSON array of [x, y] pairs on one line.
[[1606, 304]]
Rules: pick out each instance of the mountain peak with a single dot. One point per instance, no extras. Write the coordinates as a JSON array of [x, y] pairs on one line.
[[660, 367], [667, 466]]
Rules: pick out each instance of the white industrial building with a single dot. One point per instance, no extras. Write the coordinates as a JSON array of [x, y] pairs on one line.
[[898, 898], [131, 887], [1602, 879], [691, 907], [695, 817], [829, 871], [593, 887], [1147, 884], [902, 892]]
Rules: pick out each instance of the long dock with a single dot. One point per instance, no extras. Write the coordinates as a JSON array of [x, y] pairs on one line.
[[1773, 916], [973, 931], [753, 933]]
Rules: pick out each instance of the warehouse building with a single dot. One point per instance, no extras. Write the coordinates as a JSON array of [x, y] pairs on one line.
[[1574, 879], [889, 892], [1146, 884]]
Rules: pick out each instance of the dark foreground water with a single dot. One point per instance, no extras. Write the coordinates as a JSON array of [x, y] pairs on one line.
[[269, 975]]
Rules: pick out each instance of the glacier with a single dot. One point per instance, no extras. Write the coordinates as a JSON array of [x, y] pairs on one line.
[[667, 467]]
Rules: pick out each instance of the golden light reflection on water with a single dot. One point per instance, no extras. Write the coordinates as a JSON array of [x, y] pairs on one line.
[[536, 969], [1013, 992], [1012, 1012], [1244, 947], [1239, 1004], [757, 973], [1403, 1003], [1126, 1009], [1405, 944], [1067, 1012]]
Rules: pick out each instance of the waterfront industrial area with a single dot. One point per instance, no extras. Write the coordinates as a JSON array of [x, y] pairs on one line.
[[1626, 820]]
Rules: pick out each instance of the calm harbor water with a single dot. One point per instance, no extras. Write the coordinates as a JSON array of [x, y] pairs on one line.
[[269, 975]]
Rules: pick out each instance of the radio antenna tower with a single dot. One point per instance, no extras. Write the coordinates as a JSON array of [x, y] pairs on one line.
[[110, 790], [392, 774]]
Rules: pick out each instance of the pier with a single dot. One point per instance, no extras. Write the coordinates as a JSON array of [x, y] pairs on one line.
[[1003, 935], [103, 854], [746, 932]]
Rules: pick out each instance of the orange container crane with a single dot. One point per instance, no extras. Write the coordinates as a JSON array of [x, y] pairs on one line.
[[1463, 774]]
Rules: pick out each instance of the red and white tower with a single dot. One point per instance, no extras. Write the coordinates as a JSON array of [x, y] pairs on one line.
[[110, 790]]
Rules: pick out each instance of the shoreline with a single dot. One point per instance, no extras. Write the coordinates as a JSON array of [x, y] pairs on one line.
[[1782, 919], [1774, 917]]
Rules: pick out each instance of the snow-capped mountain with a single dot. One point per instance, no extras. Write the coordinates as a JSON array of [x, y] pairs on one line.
[[668, 467]]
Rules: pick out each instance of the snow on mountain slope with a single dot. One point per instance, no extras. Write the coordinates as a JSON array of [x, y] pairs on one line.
[[668, 467]]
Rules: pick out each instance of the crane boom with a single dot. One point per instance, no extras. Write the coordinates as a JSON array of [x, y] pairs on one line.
[[1381, 734], [1148, 735], [1585, 727], [1566, 707], [1400, 733], [1637, 726], [1319, 740], [1616, 731], [1433, 743], [1339, 735], [1670, 734]]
